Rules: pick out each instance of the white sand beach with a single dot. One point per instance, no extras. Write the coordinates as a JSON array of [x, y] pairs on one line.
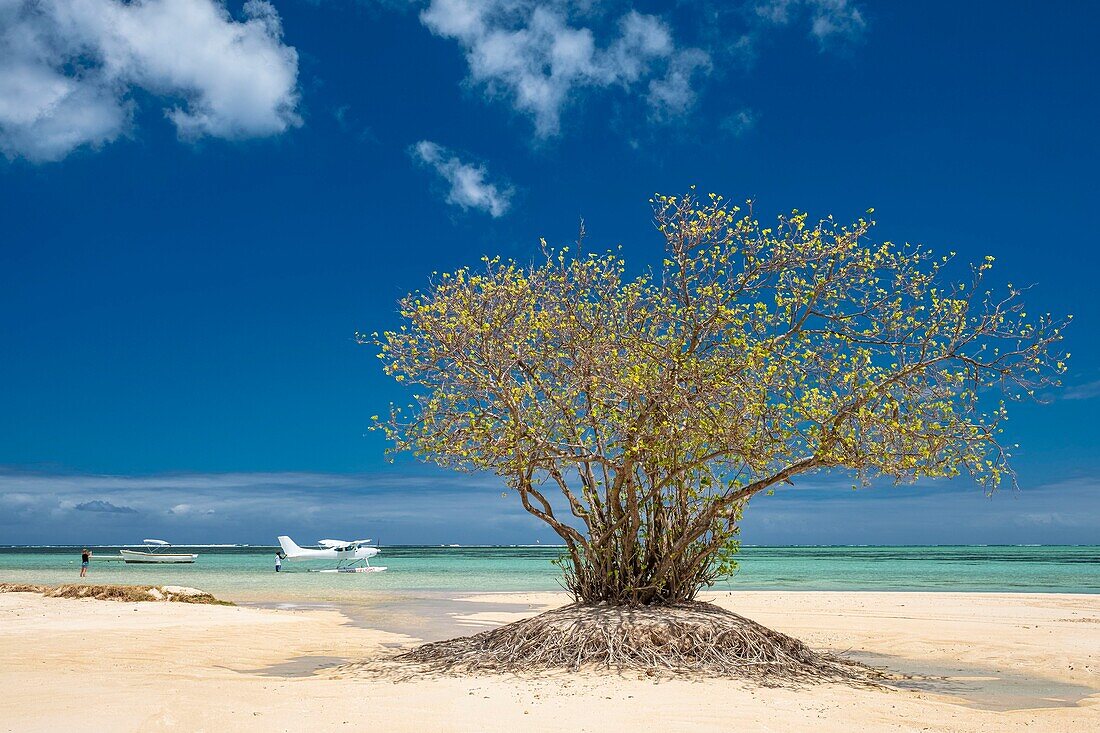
[[989, 662]]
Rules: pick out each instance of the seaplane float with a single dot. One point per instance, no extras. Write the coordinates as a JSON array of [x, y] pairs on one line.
[[155, 552], [350, 556]]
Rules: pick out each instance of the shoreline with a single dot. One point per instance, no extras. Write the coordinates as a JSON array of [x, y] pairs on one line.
[[980, 662], [443, 614]]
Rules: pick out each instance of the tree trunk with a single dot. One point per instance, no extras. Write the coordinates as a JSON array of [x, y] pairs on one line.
[[648, 543], [645, 574]]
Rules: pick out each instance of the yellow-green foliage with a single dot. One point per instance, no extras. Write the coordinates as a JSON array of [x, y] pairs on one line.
[[660, 402]]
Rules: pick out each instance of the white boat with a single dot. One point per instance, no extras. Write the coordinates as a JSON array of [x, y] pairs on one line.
[[150, 554]]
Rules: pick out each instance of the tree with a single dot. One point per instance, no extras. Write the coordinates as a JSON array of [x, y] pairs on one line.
[[658, 405]]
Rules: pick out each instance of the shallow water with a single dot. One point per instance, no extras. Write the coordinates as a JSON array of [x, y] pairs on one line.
[[247, 573], [979, 687]]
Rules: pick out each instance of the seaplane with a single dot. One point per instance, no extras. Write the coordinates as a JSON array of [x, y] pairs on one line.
[[350, 557]]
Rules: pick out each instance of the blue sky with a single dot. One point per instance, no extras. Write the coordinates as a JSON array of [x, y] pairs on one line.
[[202, 203]]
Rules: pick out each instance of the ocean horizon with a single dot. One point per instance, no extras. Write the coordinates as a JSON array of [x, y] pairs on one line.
[[246, 572]]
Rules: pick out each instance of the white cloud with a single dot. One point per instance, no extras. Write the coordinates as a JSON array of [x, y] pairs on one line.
[[776, 11], [835, 19], [532, 54], [544, 55], [821, 510], [468, 185], [256, 507], [830, 20], [673, 94], [68, 69], [1085, 391], [739, 123], [106, 507]]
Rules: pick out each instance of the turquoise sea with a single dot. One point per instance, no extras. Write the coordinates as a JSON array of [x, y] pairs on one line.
[[247, 574]]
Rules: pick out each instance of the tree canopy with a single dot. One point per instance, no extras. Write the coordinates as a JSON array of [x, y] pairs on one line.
[[657, 404]]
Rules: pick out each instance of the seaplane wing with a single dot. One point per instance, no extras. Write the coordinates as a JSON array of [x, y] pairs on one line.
[[341, 544]]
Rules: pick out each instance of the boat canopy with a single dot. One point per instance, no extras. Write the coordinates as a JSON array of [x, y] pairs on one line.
[[162, 543]]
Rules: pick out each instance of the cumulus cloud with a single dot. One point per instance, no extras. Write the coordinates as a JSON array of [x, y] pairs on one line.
[[535, 55], [257, 507], [739, 123], [830, 21], [185, 508], [98, 505], [69, 68], [469, 187], [544, 55], [1086, 391], [674, 94], [821, 510], [835, 19]]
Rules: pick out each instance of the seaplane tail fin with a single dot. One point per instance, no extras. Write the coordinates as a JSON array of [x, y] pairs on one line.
[[289, 547]]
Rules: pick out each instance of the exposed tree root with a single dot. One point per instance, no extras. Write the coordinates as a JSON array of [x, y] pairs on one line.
[[690, 639]]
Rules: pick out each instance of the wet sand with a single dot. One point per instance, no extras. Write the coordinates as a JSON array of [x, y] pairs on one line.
[[979, 662]]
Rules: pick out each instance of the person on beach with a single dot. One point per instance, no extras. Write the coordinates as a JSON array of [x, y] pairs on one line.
[[278, 562], [85, 558]]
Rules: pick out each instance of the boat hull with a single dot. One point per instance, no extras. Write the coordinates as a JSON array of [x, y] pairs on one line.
[[157, 558]]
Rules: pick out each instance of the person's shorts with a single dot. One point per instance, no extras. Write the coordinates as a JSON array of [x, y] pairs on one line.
[[84, 564]]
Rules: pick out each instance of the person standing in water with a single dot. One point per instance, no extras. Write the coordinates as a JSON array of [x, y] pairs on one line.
[[85, 558], [278, 562]]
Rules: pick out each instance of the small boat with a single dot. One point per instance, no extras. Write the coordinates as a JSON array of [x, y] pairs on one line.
[[150, 554]]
